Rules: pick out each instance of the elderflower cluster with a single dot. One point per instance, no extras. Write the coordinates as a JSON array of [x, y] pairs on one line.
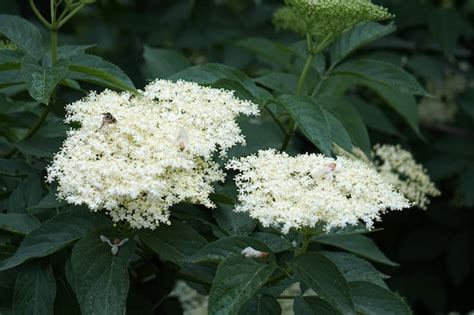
[[327, 18], [306, 190], [136, 156], [398, 167], [192, 302]]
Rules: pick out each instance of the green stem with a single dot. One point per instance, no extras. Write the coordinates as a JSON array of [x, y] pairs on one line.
[[292, 125], [299, 87], [54, 46], [38, 14], [304, 246], [70, 15], [275, 118], [32, 130]]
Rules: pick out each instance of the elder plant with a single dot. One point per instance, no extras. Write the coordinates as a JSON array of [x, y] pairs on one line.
[[160, 176]]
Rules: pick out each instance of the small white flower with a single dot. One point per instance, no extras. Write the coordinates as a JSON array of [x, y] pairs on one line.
[[302, 191], [115, 244], [399, 168], [132, 155], [251, 252]]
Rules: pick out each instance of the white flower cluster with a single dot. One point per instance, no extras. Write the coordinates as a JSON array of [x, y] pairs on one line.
[[135, 156], [398, 167], [192, 302], [302, 191]]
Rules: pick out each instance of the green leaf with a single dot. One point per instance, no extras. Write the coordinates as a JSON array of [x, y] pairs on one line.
[[350, 119], [237, 279], [466, 102], [18, 223], [374, 118], [9, 60], [357, 244], [161, 63], [261, 305], [239, 90], [371, 299], [35, 290], [23, 33], [339, 134], [313, 305], [11, 167], [383, 73], [101, 279], [446, 26], [276, 243], [227, 247], [174, 242], [280, 82], [50, 201], [403, 104], [311, 119], [357, 37], [321, 275], [93, 69], [212, 72], [55, 234], [234, 223], [356, 269], [42, 81], [26, 194], [267, 50]]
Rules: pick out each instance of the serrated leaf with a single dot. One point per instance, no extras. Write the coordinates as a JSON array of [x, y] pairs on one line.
[[371, 299], [9, 60], [174, 242], [321, 275], [237, 279], [356, 269], [227, 247], [18, 223], [27, 193], [55, 234], [284, 83], [311, 119], [350, 119], [267, 50], [93, 69], [261, 304], [357, 244], [276, 243], [374, 118], [383, 73], [162, 63], [101, 279], [35, 290], [339, 134], [403, 104], [234, 223], [446, 27], [23, 33], [12, 167], [313, 305], [50, 201], [357, 37], [42, 81]]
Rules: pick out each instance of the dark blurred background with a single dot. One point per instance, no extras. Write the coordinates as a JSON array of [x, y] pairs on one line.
[[434, 41]]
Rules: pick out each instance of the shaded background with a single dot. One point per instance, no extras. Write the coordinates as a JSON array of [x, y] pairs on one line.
[[434, 41]]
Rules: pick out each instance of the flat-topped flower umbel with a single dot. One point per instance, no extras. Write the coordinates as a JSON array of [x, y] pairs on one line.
[[135, 156], [303, 191], [327, 18], [399, 168]]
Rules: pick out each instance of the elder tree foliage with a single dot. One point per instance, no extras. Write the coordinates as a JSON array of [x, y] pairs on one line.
[[321, 90]]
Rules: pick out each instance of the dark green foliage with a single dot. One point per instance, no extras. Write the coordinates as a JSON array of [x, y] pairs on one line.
[[370, 85]]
